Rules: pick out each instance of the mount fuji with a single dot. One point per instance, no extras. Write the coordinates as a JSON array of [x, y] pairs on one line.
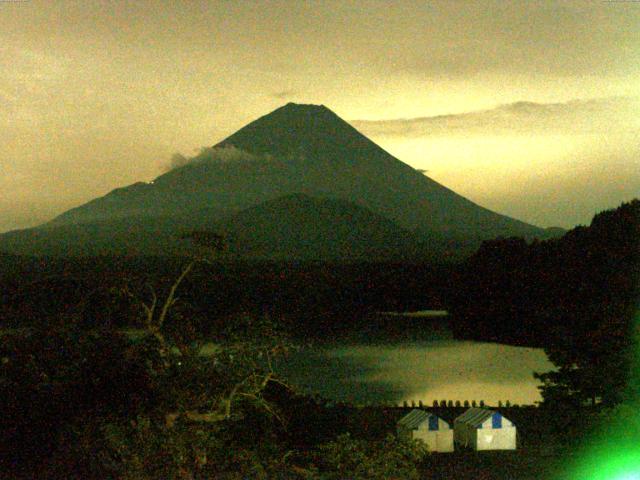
[[298, 183]]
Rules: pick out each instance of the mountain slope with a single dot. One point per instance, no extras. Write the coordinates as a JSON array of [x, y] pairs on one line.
[[305, 228], [334, 160]]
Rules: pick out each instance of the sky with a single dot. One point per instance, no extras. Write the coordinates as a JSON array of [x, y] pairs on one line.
[[527, 108]]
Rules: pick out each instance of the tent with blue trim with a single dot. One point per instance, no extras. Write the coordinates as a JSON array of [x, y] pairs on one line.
[[431, 429], [484, 429]]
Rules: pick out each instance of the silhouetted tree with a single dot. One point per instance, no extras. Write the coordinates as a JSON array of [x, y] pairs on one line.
[[574, 296], [593, 347]]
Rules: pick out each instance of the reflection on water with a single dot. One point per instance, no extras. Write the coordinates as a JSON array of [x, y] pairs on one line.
[[414, 371], [407, 361]]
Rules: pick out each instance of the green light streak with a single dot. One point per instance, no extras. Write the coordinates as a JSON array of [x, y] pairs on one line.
[[614, 453], [608, 465]]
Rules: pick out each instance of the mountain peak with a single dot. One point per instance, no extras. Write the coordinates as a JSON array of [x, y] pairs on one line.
[[295, 127], [303, 106], [307, 111]]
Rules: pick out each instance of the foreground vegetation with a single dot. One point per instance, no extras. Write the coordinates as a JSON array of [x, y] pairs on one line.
[[80, 399], [93, 404]]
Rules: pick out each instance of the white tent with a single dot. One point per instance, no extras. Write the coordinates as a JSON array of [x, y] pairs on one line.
[[482, 429], [431, 429]]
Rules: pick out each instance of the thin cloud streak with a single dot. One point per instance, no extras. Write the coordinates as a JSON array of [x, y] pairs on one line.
[[575, 117], [284, 94]]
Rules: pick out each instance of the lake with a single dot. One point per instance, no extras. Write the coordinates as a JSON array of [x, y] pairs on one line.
[[419, 364], [370, 369]]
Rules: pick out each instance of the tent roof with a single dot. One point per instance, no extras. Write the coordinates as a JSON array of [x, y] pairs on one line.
[[415, 418], [475, 416]]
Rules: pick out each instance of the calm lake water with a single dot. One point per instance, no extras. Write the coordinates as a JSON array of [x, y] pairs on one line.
[[368, 370], [427, 365]]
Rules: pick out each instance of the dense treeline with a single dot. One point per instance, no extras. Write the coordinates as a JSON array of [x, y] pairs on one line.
[[575, 296], [312, 297], [520, 293]]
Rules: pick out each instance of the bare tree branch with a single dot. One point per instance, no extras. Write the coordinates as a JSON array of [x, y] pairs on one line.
[[170, 298]]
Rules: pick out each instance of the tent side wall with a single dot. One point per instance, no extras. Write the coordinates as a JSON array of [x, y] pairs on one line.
[[434, 432], [496, 439], [444, 441], [480, 429], [436, 440], [501, 438], [444, 437]]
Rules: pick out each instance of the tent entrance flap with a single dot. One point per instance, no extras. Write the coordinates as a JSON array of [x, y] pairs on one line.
[[433, 423], [496, 421]]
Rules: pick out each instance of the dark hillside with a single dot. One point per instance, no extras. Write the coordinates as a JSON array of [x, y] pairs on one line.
[[304, 228]]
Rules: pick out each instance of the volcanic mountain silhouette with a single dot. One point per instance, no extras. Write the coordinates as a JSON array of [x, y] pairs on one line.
[[305, 153]]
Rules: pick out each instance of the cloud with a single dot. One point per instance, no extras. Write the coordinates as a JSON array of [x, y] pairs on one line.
[[177, 161], [575, 117], [284, 94], [220, 155], [445, 41]]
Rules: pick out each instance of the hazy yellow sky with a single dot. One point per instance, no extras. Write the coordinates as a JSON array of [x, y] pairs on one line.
[[528, 108]]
